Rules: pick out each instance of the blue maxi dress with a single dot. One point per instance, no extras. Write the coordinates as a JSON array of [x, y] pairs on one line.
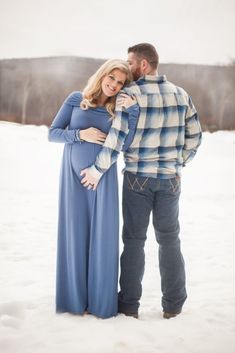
[[88, 222]]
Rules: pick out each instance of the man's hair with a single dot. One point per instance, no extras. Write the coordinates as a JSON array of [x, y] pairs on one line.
[[146, 51]]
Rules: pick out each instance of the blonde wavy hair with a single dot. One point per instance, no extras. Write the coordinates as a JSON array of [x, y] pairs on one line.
[[93, 89]]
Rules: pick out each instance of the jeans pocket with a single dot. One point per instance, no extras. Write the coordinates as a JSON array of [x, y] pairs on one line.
[[175, 184], [134, 182]]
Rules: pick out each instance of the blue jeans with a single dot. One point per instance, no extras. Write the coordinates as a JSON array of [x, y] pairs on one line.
[[141, 195]]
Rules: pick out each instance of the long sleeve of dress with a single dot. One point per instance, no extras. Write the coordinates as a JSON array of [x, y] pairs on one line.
[[59, 130]]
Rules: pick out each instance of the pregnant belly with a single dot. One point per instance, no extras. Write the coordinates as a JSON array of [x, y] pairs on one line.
[[83, 155]]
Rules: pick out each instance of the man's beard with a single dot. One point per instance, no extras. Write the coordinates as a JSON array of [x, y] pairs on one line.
[[136, 74]]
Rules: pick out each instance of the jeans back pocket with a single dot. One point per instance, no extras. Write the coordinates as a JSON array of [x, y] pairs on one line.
[[175, 184], [134, 182]]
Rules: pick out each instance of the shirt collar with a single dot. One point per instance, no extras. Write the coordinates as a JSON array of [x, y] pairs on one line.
[[153, 78]]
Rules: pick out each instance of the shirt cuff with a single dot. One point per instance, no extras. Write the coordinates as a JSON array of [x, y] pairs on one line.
[[77, 135], [94, 172]]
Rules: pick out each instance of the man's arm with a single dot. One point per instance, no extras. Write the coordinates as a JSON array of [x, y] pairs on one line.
[[110, 149], [193, 133]]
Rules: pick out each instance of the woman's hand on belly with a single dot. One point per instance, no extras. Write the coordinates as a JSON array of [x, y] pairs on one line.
[[92, 135]]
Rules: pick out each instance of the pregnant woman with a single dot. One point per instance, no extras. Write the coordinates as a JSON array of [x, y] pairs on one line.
[[88, 224]]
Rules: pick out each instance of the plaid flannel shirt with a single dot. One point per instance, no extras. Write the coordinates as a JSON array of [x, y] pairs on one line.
[[167, 136]]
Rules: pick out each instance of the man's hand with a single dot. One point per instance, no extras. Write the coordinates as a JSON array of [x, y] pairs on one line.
[[88, 180]]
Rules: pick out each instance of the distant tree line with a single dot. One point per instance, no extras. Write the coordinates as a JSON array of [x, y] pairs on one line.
[[32, 90]]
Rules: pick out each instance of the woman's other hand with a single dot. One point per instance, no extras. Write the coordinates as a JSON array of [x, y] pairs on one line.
[[92, 135], [125, 101]]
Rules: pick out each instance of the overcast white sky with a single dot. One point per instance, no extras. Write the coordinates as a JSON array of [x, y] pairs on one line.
[[193, 31]]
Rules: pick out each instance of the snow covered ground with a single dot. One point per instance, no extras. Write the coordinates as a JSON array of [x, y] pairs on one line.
[[28, 216]]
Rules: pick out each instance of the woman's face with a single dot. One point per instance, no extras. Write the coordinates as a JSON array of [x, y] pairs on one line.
[[113, 82]]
